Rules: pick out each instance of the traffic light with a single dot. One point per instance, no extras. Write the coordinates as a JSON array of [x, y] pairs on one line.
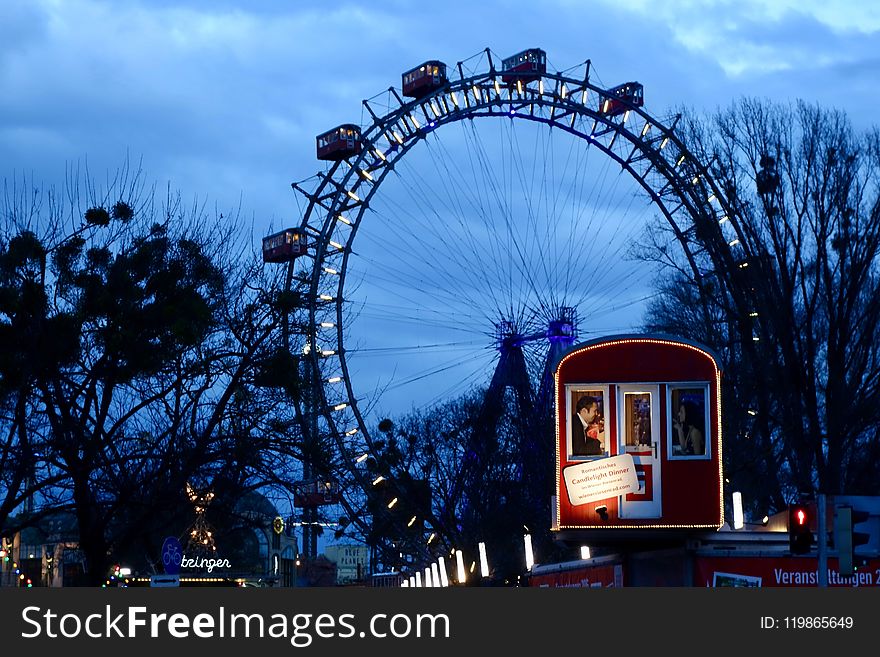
[[845, 539], [800, 536]]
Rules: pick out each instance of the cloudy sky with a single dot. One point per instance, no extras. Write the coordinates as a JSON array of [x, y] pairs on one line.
[[223, 99]]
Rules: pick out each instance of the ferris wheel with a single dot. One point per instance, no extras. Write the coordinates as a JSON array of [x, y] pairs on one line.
[[498, 207]]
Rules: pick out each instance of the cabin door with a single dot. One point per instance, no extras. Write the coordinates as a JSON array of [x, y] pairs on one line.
[[638, 422]]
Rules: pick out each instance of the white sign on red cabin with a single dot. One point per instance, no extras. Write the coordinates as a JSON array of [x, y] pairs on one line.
[[600, 479]]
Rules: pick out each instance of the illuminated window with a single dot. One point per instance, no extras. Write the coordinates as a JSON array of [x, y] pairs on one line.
[[587, 434], [637, 429], [689, 421]]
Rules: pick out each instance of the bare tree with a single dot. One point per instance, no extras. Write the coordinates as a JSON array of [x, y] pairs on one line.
[[136, 331], [803, 185]]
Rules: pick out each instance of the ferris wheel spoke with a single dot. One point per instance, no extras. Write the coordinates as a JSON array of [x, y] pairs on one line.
[[412, 257], [422, 293], [393, 381], [466, 259]]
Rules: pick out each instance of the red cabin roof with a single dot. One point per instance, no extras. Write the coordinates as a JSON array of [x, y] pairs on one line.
[[621, 98], [339, 143], [284, 245], [423, 79], [527, 65]]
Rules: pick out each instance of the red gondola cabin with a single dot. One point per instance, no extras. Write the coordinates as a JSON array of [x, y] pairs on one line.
[[638, 436], [424, 79], [339, 143], [527, 65], [621, 98], [284, 246]]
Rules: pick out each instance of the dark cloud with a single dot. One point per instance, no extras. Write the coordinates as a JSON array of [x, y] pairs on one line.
[[224, 99]]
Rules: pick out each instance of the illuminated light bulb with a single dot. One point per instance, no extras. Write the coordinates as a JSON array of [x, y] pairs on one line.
[[459, 563], [484, 562], [738, 520], [378, 480], [444, 576], [530, 555]]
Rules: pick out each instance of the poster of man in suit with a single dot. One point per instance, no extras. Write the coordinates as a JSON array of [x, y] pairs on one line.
[[588, 423]]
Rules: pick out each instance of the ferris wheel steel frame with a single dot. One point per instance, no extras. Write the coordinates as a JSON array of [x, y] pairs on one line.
[[677, 183]]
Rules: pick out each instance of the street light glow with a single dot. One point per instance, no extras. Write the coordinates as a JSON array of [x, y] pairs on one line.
[[484, 563]]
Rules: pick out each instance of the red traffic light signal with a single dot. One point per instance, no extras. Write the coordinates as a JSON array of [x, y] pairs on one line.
[[800, 536]]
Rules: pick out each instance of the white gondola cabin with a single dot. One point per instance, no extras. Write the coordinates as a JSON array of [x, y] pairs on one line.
[[526, 66], [285, 245], [423, 79], [621, 98], [339, 143]]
